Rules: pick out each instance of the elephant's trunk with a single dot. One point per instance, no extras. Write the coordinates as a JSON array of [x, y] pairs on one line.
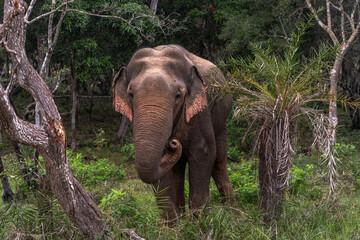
[[155, 154]]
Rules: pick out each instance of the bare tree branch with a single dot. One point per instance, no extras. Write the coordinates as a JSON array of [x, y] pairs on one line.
[[51, 40], [325, 27], [132, 234], [29, 10], [328, 14], [48, 13]]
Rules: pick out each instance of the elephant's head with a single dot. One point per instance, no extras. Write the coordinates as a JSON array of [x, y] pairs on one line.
[[159, 90]]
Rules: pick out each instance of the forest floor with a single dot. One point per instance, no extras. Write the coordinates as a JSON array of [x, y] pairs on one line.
[[106, 168]]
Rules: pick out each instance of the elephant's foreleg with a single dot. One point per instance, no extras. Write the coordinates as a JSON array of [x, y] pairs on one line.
[[200, 166], [219, 171]]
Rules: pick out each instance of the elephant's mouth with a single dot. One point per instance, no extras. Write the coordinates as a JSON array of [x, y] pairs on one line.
[[172, 154]]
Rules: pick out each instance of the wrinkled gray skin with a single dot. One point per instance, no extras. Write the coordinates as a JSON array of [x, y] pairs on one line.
[[163, 91]]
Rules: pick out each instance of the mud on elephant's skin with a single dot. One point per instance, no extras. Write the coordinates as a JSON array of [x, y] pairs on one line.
[[163, 91]]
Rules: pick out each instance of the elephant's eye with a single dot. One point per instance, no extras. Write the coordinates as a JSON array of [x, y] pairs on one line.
[[131, 94], [178, 95]]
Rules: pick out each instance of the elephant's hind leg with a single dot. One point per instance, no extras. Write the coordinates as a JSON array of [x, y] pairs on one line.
[[219, 171]]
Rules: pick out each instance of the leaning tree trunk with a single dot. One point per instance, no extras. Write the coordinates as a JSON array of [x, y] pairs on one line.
[[48, 138]]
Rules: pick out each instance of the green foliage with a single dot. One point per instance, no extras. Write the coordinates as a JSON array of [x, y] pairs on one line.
[[345, 150], [234, 152], [237, 144], [100, 141], [119, 205], [299, 178], [243, 181], [32, 220], [93, 172], [129, 151]]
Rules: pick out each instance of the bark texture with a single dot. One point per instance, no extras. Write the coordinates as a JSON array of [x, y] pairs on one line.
[[48, 138]]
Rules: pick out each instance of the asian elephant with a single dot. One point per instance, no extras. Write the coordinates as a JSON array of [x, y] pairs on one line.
[[163, 90]]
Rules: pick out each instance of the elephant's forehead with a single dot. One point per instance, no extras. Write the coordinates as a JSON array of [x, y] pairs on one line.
[[155, 77], [167, 66], [158, 62]]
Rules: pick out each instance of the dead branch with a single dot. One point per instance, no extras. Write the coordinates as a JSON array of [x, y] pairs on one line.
[[29, 10], [325, 27], [51, 41], [132, 234], [48, 13]]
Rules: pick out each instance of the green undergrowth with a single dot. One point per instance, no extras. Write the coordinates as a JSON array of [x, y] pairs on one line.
[[106, 169]]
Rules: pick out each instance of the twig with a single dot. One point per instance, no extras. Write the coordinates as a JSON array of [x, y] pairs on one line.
[[132, 234]]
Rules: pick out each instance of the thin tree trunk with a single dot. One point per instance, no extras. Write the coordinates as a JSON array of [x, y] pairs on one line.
[[153, 6], [346, 39], [7, 194], [123, 128], [74, 101], [333, 117], [91, 93], [48, 138]]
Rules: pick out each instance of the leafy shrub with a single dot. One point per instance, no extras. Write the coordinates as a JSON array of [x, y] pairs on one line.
[[95, 171], [243, 181], [237, 130], [119, 205], [129, 151], [234, 152], [344, 150], [299, 181], [100, 140]]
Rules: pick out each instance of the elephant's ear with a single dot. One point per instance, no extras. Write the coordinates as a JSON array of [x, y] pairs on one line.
[[196, 99], [121, 99]]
